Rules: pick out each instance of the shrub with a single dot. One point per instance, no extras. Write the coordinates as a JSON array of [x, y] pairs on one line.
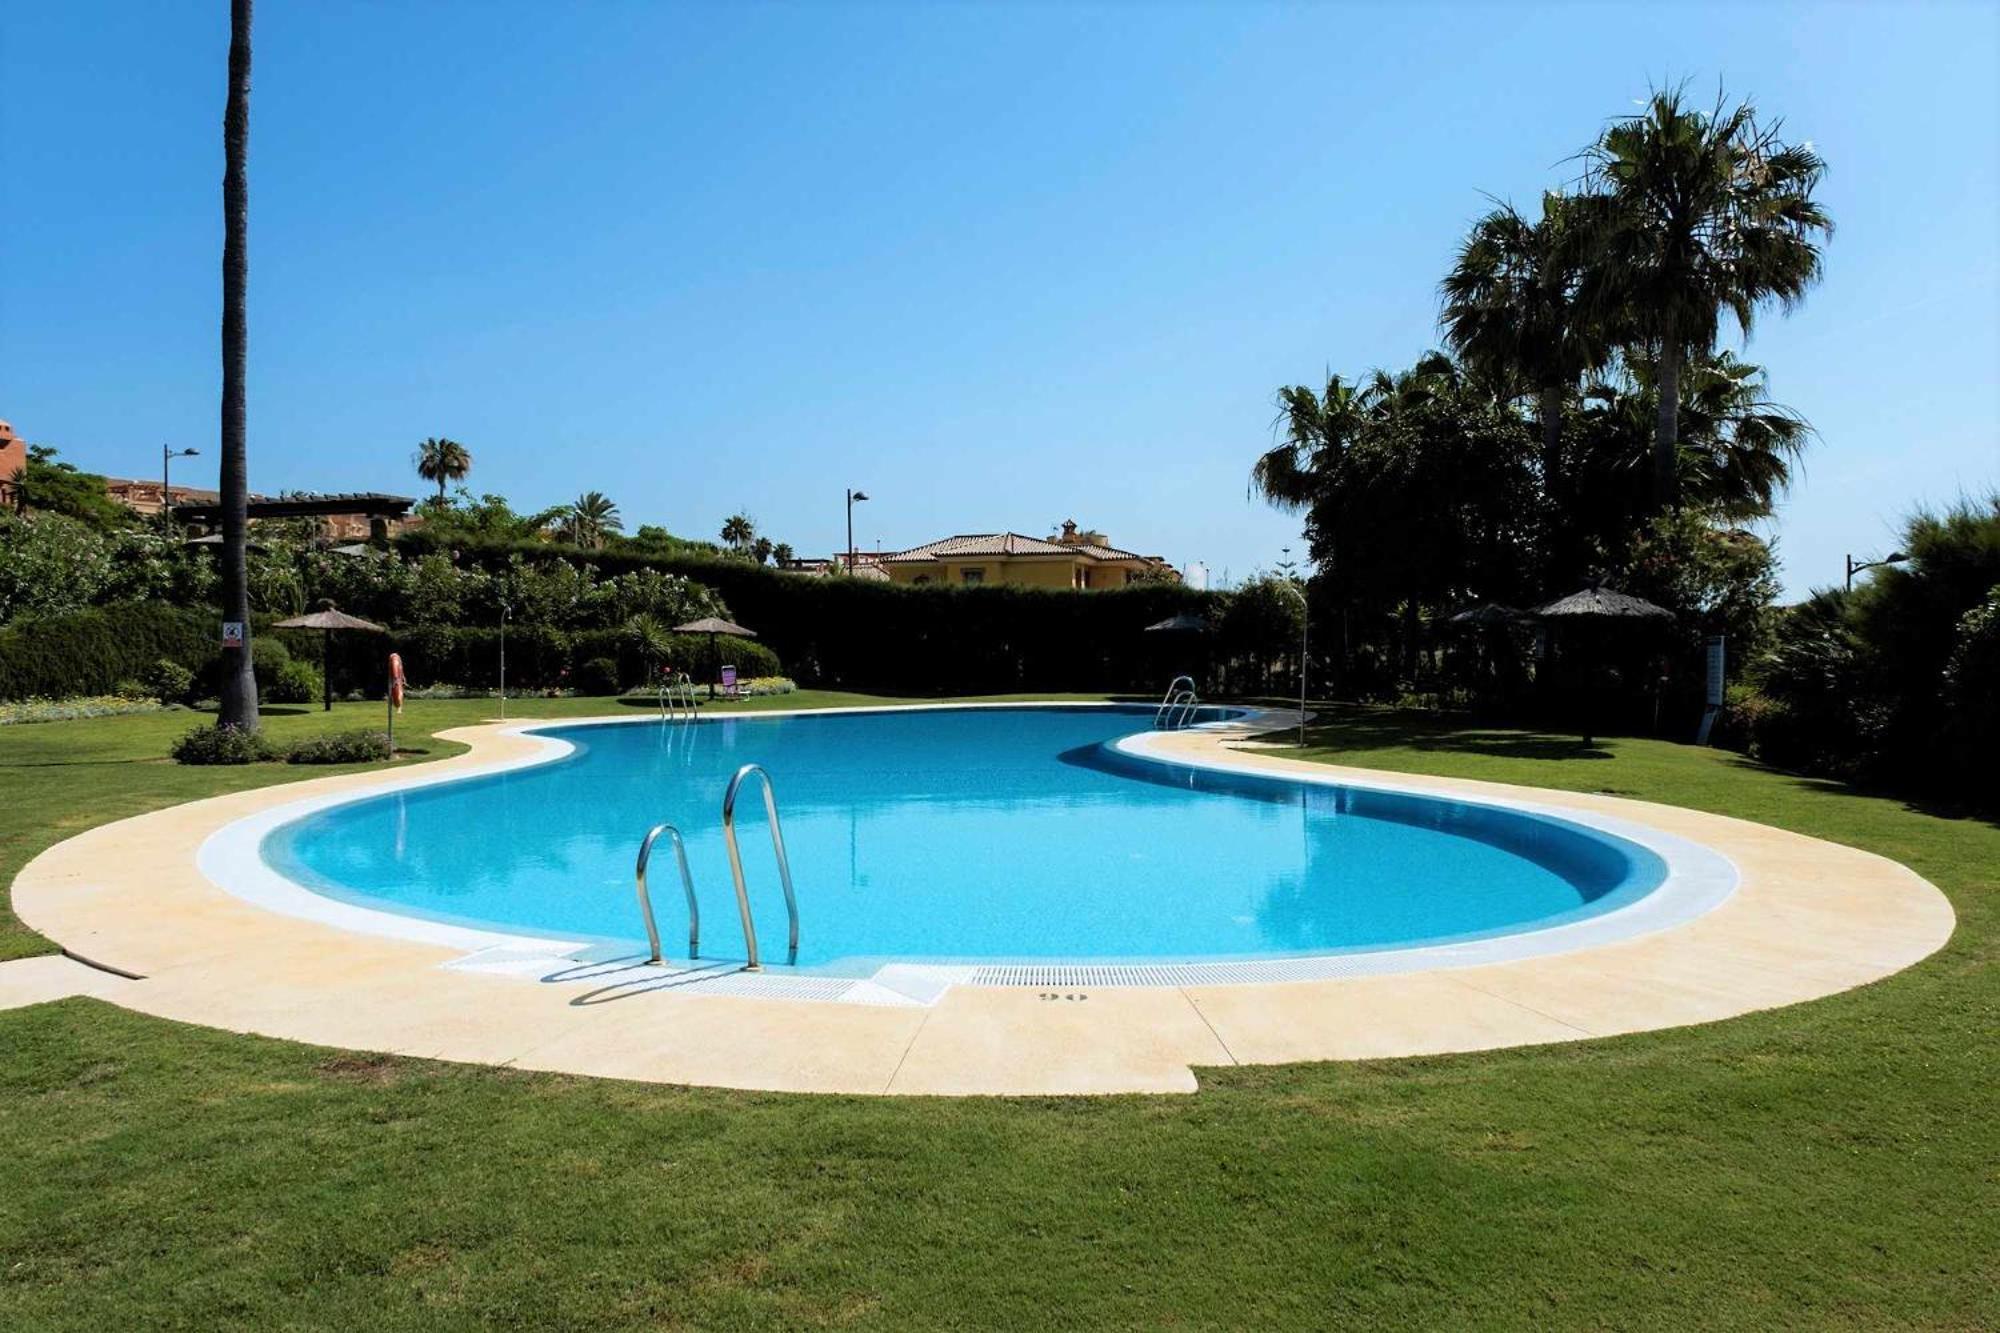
[[599, 675], [89, 652], [295, 682], [131, 690], [69, 710], [341, 747], [223, 745], [169, 681]]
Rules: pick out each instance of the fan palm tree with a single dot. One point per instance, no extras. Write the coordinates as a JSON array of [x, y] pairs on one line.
[[1735, 448], [443, 460], [1317, 429], [738, 531], [1511, 310], [238, 693], [591, 518], [1705, 214]]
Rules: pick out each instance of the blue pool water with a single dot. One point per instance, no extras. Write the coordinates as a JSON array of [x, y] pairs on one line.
[[957, 835]]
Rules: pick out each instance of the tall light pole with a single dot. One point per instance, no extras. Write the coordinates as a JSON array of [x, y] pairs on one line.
[[852, 496], [1856, 566], [1305, 627], [167, 456], [503, 661]]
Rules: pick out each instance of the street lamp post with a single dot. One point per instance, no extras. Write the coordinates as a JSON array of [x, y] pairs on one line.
[[852, 496], [1305, 628], [1856, 566], [167, 456]]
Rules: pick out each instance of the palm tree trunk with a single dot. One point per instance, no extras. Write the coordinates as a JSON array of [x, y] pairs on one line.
[[1666, 429], [239, 683], [1549, 408]]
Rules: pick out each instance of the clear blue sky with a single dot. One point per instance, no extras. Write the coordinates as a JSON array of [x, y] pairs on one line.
[[997, 265]]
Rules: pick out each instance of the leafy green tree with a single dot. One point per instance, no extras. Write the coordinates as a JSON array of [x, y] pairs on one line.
[[442, 461], [50, 486], [760, 550], [782, 554], [1706, 214]]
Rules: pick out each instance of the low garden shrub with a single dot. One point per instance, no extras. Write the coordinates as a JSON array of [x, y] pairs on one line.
[[295, 682], [170, 682], [69, 710], [599, 675], [223, 745], [341, 747]]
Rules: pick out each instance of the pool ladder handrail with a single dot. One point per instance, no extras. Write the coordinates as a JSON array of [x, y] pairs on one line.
[[736, 862], [687, 884], [677, 693], [1178, 706]]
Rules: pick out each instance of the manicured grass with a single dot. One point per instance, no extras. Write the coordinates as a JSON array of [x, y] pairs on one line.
[[1831, 1164]]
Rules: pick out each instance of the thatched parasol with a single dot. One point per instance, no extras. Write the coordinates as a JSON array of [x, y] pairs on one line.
[[1487, 615], [1598, 606], [712, 626], [1187, 622], [328, 619]]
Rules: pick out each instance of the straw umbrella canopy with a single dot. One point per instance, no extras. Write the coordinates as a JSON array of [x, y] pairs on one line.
[[1597, 606], [1487, 615], [328, 619], [712, 626], [1187, 622]]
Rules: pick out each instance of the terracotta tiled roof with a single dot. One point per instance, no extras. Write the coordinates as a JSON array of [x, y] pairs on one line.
[[976, 544]]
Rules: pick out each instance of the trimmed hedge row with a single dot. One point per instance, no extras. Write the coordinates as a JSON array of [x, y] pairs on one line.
[[541, 658], [90, 652], [861, 634]]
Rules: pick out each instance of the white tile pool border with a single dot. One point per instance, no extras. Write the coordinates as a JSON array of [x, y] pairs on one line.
[[1699, 879]]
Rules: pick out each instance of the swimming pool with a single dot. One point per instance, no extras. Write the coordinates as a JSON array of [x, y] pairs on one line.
[[976, 835]]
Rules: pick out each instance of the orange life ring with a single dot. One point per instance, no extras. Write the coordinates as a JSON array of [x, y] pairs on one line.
[[396, 680]]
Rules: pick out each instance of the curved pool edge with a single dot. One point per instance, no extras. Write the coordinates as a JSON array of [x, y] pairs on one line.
[[1807, 919], [1697, 880]]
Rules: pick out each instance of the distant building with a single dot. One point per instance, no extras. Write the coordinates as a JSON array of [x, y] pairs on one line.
[[143, 497], [13, 462], [1071, 558]]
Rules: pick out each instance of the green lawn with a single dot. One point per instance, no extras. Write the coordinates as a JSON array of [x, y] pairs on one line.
[[1830, 1164]]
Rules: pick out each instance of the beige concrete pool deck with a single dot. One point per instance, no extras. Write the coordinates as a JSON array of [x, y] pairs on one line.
[[1807, 919]]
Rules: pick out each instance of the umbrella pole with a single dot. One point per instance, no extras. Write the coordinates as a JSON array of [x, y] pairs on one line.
[[326, 672], [714, 663]]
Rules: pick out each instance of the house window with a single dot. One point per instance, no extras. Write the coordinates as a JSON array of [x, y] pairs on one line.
[[1077, 578], [973, 574], [1131, 576], [921, 578]]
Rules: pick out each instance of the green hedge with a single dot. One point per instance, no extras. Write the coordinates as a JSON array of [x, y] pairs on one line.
[[861, 634], [89, 652], [537, 657]]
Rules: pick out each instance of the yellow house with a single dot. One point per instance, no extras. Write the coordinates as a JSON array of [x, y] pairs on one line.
[[1068, 559]]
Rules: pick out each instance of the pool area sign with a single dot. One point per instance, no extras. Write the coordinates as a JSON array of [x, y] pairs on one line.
[[232, 634], [1717, 671]]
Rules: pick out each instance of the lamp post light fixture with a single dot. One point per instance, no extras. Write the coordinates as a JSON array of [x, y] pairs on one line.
[[1856, 566], [167, 456], [852, 496]]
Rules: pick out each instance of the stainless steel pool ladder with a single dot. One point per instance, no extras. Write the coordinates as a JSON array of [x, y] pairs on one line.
[[736, 861], [1177, 708], [677, 698], [687, 884]]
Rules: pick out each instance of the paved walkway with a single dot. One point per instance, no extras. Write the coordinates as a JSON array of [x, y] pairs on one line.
[[1809, 918], [54, 977]]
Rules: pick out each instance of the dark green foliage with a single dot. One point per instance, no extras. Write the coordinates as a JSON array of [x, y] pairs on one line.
[[340, 747], [842, 633], [1895, 683], [170, 682], [52, 487], [208, 744], [89, 652], [597, 675], [294, 682]]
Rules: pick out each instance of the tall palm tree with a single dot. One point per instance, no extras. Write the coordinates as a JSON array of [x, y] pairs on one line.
[[443, 460], [239, 684], [739, 531], [1706, 213], [591, 518], [1317, 430], [1511, 310]]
